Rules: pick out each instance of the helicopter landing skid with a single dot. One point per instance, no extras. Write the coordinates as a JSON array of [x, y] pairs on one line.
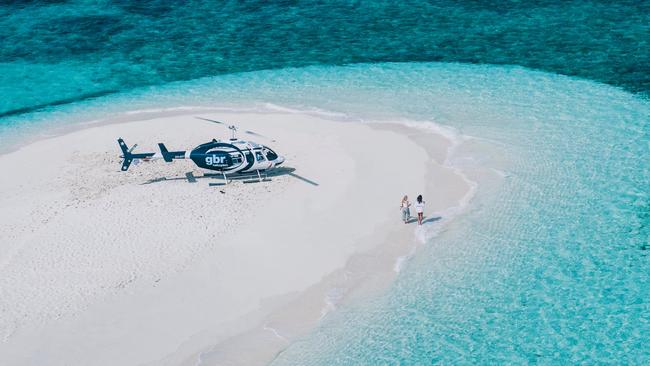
[[259, 178], [256, 177], [225, 180]]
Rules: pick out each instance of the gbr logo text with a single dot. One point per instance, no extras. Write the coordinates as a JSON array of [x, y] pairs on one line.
[[216, 160]]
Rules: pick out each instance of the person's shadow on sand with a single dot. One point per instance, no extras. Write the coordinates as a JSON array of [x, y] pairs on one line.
[[424, 220]]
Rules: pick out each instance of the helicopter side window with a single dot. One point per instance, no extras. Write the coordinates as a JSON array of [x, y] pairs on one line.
[[259, 156]]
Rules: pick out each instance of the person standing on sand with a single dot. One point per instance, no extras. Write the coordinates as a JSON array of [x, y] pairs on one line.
[[404, 207], [419, 208]]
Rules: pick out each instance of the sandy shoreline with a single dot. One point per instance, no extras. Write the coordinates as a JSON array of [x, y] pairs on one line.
[[99, 268]]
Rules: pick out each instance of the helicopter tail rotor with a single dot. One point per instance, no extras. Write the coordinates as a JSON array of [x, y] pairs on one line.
[[128, 156]]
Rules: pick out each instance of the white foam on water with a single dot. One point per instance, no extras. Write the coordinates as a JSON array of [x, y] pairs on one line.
[[276, 333], [171, 109], [332, 299], [403, 259], [450, 133], [312, 111]]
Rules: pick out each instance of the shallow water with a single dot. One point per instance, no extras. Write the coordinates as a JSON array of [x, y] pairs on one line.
[[553, 267]]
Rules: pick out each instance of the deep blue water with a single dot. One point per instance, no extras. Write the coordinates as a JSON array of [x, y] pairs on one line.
[[550, 266], [55, 52]]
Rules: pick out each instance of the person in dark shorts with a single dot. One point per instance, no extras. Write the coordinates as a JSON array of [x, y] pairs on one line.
[[419, 208]]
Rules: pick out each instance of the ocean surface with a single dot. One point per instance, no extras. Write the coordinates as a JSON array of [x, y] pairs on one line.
[[550, 262], [56, 52]]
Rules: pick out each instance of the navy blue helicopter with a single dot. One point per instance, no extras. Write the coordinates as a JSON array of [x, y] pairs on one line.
[[226, 157]]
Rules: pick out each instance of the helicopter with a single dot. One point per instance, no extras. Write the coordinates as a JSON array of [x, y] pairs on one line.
[[226, 157]]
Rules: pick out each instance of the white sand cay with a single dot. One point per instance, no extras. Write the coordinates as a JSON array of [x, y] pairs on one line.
[[98, 268]]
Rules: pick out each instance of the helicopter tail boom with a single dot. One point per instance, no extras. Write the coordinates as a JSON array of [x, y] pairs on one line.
[[128, 156], [170, 155]]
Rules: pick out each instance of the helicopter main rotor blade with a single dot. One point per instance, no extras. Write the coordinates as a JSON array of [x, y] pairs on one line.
[[211, 120], [258, 134], [133, 148], [234, 128]]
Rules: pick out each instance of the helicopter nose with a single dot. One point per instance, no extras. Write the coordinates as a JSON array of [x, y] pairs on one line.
[[279, 160]]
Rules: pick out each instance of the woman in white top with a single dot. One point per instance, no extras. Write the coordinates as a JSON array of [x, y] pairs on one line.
[[404, 207], [419, 208]]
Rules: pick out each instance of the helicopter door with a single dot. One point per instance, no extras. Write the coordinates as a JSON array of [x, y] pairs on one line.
[[248, 160], [237, 158], [259, 157]]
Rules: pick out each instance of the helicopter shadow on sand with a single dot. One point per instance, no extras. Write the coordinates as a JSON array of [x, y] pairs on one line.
[[244, 177]]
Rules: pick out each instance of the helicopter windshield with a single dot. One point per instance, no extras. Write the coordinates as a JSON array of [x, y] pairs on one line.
[[270, 154]]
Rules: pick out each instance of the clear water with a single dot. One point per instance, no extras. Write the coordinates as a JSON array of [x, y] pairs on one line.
[[54, 52], [551, 266]]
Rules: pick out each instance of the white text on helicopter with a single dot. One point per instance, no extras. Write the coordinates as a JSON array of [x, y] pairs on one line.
[[215, 160]]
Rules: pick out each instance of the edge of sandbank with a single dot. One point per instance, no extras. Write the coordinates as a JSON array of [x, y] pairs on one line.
[[366, 273]]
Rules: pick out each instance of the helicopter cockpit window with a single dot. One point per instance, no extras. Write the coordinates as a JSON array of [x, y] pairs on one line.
[[270, 154], [259, 156]]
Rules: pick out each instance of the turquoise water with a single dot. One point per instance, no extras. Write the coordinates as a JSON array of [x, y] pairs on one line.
[[55, 52], [550, 266]]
